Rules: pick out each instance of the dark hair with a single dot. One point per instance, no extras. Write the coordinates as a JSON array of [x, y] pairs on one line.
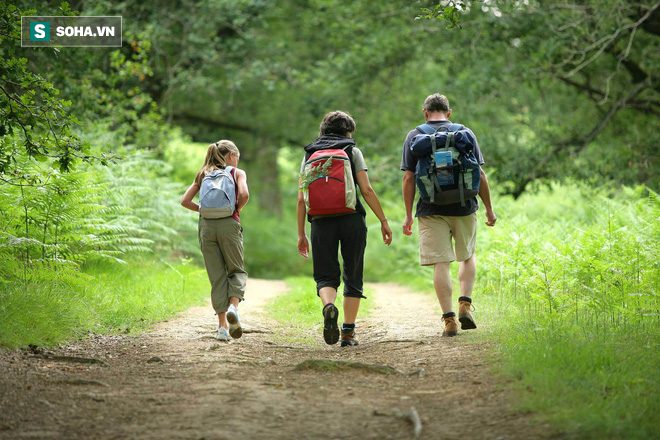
[[436, 103], [337, 122]]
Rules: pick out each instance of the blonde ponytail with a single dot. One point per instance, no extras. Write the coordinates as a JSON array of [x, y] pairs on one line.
[[215, 158]]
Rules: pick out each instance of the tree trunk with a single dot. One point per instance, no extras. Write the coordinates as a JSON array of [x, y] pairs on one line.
[[264, 178]]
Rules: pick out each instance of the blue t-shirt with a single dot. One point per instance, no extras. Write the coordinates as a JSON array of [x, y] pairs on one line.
[[409, 163]]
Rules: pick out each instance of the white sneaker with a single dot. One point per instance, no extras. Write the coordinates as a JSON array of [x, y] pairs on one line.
[[222, 335], [235, 329]]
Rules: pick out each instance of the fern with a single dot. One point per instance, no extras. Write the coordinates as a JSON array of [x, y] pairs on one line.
[[314, 172], [91, 214]]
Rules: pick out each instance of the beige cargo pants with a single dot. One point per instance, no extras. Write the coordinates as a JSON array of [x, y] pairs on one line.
[[221, 241]]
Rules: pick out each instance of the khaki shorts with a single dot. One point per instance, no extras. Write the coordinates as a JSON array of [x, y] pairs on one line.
[[435, 238]]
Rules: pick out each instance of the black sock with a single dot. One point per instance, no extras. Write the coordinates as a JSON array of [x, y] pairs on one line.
[[465, 298], [348, 326], [448, 315]]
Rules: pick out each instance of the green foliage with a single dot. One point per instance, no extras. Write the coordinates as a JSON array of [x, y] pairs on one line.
[[56, 218], [582, 257], [573, 281], [266, 236], [55, 307], [448, 11], [80, 216], [34, 120], [222, 67], [299, 306], [314, 172], [185, 158], [589, 384], [562, 79], [569, 276]]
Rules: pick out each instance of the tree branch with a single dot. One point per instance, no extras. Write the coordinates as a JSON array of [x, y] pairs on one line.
[[41, 184], [652, 25], [646, 109], [638, 75], [584, 87], [583, 141], [631, 103], [603, 44], [233, 126]]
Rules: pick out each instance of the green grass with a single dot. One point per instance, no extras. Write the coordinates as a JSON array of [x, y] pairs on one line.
[[574, 279], [593, 386], [56, 307], [300, 310], [567, 283]]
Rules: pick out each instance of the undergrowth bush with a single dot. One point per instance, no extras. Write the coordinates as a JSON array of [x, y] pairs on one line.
[[571, 280], [567, 282], [102, 213], [64, 235]]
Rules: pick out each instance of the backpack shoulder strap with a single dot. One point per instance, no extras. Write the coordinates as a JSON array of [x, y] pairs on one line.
[[348, 149], [426, 129], [456, 127], [232, 171]]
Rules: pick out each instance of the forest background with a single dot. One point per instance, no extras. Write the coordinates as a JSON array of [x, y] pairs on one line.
[[98, 144]]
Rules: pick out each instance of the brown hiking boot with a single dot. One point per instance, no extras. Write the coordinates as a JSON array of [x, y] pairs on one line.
[[348, 338], [464, 315], [451, 327]]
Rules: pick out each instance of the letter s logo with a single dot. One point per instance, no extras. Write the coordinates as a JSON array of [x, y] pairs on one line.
[[40, 31]]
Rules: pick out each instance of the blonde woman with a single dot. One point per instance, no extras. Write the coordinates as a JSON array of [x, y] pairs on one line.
[[221, 234]]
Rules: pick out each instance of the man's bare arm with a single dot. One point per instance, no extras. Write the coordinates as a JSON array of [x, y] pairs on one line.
[[408, 189], [484, 194]]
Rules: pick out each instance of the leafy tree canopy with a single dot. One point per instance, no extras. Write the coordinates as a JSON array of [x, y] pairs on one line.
[[552, 89]]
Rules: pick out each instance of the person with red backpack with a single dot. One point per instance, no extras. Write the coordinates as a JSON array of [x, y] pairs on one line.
[[332, 169]]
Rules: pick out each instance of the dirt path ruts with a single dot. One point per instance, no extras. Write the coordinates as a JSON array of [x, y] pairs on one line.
[[250, 390]]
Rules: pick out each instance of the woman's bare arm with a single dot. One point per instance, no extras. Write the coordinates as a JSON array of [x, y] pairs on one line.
[[371, 198], [187, 199], [243, 192]]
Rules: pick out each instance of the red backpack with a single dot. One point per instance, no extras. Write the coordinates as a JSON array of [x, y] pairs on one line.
[[327, 183]]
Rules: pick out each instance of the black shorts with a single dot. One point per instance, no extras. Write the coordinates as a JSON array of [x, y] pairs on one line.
[[328, 233]]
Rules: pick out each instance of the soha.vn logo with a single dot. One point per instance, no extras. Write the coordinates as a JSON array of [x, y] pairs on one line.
[[85, 31], [40, 31]]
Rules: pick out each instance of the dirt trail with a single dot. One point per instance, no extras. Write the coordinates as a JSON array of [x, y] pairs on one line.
[[250, 389]]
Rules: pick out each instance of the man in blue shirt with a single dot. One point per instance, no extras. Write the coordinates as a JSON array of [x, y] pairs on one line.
[[446, 232]]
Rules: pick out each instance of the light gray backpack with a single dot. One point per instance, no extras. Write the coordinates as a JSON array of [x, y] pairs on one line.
[[217, 195]]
